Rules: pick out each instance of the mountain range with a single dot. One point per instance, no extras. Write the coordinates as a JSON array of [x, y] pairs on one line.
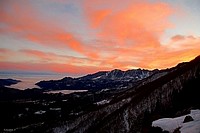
[[114, 79]]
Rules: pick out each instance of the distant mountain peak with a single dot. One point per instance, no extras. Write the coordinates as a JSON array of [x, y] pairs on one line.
[[100, 80]]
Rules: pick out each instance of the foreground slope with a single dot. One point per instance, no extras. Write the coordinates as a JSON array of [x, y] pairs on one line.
[[189, 123]]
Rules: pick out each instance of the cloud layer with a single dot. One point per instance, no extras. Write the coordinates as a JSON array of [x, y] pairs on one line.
[[112, 35]]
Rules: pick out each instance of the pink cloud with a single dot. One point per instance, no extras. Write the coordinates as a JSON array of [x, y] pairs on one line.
[[50, 67], [29, 24], [178, 38], [128, 35], [141, 22]]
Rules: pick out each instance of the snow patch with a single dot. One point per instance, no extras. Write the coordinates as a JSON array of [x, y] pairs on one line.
[[170, 124], [97, 77], [102, 102], [40, 112], [127, 126], [55, 109]]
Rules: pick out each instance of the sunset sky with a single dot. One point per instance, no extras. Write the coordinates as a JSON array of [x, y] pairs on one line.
[[86, 36]]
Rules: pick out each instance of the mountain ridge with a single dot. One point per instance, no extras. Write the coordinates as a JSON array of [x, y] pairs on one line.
[[97, 81]]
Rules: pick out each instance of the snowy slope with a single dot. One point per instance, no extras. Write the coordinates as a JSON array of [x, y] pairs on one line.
[[170, 124]]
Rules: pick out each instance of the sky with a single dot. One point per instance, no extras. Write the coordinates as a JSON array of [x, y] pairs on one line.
[[84, 36]]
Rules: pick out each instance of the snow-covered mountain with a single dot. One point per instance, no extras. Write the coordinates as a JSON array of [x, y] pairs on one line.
[[116, 74], [97, 81]]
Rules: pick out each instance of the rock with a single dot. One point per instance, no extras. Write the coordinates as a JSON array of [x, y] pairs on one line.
[[188, 119], [177, 130], [157, 130]]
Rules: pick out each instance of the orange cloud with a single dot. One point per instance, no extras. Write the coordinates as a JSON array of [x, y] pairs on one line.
[[183, 49], [29, 24], [141, 23], [178, 38], [180, 42], [3, 51], [5, 54], [42, 56], [134, 29], [51, 57], [125, 35], [98, 17], [50, 67]]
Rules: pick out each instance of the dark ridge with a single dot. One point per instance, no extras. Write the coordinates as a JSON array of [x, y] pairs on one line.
[[114, 79], [8, 82]]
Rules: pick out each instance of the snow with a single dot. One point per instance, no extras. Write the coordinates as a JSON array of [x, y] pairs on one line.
[[78, 113], [191, 127], [102, 102], [64, 91], [97, 77], [40, 112], [126, 120], [55, 109], [104, 90], [170, 124], [20, 115], [65, 100]]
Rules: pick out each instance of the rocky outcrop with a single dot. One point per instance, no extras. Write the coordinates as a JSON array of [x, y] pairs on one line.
[[188, 119], [126, 112]]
